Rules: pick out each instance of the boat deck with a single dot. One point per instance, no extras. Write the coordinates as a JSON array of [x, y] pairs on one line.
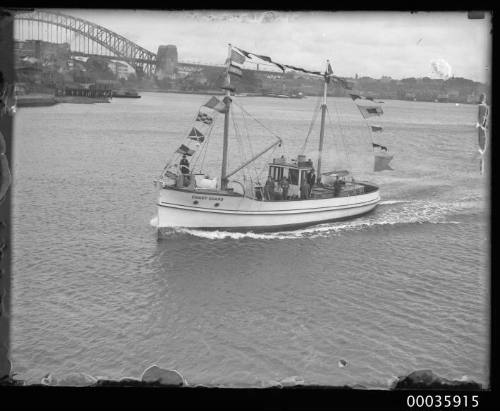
[[318, 191]]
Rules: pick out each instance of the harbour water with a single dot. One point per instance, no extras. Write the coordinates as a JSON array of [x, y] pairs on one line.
[[94, 290]]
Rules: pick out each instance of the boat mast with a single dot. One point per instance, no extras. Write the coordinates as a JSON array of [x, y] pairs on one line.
[[227, 102], [323, 115]]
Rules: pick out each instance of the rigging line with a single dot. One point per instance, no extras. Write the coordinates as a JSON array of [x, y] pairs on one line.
[[205, 150], [209, 135], [263, 126], [237, 135], [247, 134], [265, 164], [340, 121], [346, 151], [311, 126], [209, 130], [241, 146], [249, 142], [257, 121], [370, 133], [335, 142], [248, 114], [196, 156]]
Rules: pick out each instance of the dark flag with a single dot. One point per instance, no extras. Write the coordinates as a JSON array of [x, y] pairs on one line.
[[184, 150], [382, 161], [196, 135], [328, 72], [329, 68], [302, 70], [376, 128], [204, 118]]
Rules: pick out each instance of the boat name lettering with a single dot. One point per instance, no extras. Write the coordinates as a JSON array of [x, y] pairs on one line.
[[208, 198]]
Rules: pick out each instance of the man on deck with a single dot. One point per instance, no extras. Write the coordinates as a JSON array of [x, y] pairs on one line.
[[184, 165], [269, 189], [311, 180], [304, 190], [284, 186], [336, 186]]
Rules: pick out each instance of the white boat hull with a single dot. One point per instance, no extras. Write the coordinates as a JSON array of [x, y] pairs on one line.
[[212, 210]]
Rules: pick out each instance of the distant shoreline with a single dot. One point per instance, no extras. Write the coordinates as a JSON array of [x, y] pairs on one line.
[[214, 92], [42, 100]]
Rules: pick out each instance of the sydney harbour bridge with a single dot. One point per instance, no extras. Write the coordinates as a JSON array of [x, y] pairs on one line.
[[84, 38]]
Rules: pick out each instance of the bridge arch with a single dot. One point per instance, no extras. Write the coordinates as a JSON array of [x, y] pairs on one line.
[[115, 44]]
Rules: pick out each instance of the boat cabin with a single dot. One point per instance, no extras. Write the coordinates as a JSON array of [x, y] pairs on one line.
[[295, 170]]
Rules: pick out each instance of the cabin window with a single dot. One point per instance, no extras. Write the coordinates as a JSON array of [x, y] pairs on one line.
[[276, 173], [293, 176]]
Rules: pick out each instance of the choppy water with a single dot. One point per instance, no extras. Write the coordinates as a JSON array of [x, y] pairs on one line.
[[403, 288]]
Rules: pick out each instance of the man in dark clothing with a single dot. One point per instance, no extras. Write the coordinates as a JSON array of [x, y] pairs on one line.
[[311, 180], [284, 186], [336, 187], [269, 189], [304, 190], [184, 164]]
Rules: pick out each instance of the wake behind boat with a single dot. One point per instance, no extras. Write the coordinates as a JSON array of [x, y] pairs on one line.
[[295, 194]]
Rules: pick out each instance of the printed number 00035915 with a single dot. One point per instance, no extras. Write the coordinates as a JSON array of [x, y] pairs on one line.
[[442, 401]]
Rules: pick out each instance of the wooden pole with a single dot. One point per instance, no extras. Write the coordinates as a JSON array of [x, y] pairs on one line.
[[225, 144], [322, 129]]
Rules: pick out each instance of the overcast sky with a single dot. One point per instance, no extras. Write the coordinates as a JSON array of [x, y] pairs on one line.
[[396, 44]]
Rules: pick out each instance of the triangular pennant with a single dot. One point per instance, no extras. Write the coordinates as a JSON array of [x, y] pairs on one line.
[[329, 69]]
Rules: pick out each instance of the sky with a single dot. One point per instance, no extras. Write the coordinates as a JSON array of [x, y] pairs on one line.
[[374, 44]]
